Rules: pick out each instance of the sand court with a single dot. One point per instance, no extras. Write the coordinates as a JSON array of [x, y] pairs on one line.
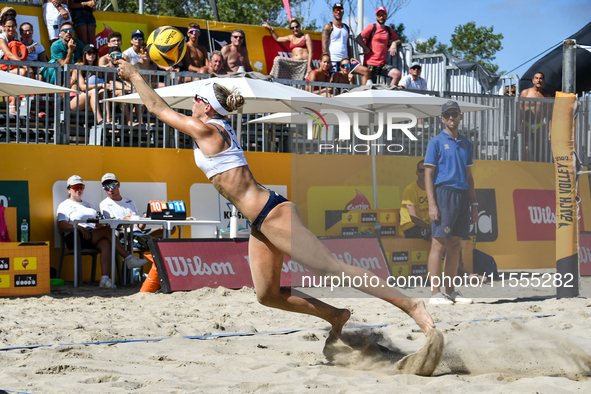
[[511, 340]]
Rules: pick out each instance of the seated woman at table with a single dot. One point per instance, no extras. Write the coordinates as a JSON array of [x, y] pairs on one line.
[[91, 235], [300, 44]]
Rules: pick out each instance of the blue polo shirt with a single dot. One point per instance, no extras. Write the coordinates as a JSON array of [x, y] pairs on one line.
[[451, 159]]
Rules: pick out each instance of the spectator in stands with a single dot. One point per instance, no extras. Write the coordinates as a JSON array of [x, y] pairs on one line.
[[415, 221], [7, 11], [88, 84], [510, 90], [132, 54], [114, 86], [91, 235], [302, 52], [196, 55], [8, 41], [533, 117], [235, 53], [118, 207], [55, 13], [344, 74], [413, 80], [216, 65], [374, 42], [9, 44], [320, 75], [36, 51], [84, 21], [67, 50], [145, 63], [113, 40], [336, 42]]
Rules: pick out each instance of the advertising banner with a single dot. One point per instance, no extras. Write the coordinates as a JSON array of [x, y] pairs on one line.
[[188, 264]]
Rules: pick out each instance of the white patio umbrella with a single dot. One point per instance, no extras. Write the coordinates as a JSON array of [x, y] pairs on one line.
[[379, 98], [260, 94], [15, 85]]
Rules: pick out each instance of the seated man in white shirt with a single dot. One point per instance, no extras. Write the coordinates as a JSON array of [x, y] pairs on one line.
[[115, 206], [413, 80]]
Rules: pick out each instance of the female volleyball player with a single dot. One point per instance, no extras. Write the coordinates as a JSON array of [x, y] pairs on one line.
[[277, 229]]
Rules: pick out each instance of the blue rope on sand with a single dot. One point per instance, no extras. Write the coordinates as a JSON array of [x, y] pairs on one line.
[[244, 334]]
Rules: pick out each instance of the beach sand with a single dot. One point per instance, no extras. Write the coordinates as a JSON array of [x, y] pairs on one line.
[[512, 340]]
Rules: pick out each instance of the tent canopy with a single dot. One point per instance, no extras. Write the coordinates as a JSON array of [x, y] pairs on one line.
[[551, 66]]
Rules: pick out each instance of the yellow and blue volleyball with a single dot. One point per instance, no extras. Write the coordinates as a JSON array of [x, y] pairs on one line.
[[166, 46]]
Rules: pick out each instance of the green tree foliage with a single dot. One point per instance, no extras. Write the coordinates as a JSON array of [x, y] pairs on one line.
[[400, 31], [233, 11], [431, 46], [468, 42]]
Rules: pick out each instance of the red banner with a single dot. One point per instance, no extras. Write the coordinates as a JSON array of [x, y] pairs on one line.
[[535, 217], [190, 264]]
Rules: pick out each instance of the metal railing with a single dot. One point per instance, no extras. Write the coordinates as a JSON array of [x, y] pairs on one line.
[[499, 134]]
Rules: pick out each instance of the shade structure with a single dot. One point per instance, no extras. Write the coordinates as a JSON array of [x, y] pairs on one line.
[[261, 96], [15, 85], [379, 100], [382, 99]]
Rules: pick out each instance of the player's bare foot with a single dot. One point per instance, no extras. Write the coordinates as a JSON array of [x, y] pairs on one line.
[[341, 317], [420, 315]]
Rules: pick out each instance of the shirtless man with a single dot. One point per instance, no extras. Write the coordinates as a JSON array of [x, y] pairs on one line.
[[216, 65], [196, 55], [235, 54], [336, 42], [113, 40], [533, 117]]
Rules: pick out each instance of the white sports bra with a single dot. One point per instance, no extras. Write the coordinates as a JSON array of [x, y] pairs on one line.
[[225, 160]]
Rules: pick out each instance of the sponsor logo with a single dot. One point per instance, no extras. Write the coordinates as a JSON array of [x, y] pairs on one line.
[[180, 266], [25, 263], [348, 231], [421, 255], [485, 229], [25, 280], [419, 269], [358, 202], [399, 256], [539, 215], [400, 270], [370, 217], [388, 231], [447, 229], [538, 221], [4, 263]]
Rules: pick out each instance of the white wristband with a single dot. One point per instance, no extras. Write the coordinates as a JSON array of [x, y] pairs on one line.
[[474, 203]]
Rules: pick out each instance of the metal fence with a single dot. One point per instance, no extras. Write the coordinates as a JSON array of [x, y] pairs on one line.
[[516, 129]]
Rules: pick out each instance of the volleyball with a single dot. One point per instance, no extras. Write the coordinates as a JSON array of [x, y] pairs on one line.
[[166, 46]]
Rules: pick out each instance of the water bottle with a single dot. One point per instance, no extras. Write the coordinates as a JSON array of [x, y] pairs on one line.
[[136, 274], [24, 231]]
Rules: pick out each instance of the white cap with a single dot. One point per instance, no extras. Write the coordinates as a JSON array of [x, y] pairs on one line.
[[75, 180], [109, 177]]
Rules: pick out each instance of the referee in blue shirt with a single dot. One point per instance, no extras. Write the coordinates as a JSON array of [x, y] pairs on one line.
[[452, 202]]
